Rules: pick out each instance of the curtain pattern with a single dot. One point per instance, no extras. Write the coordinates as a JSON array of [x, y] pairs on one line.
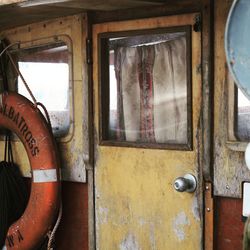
[[152, 92], [145, 74]]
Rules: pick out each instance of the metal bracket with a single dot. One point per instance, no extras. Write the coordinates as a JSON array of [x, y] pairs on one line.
[[209, 217]]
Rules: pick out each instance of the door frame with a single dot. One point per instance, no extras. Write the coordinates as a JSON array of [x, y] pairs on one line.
[[206, 8]]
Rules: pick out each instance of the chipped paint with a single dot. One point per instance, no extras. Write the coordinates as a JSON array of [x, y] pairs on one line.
[[103, 215], [152, 237], [179, 224], [129, 243], [195, 209], [142, 221]]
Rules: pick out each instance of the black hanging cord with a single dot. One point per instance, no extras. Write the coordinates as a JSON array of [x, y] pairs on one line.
[[8, 154], [13, 191], [3, 66]]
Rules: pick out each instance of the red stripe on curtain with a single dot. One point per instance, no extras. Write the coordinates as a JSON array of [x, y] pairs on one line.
[[145, 70]]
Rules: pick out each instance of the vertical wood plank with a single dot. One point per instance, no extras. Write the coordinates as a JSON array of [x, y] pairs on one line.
[[207, 82], [228, 224]]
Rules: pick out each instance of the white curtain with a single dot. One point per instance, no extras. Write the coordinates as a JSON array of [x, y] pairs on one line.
[[152, 92]]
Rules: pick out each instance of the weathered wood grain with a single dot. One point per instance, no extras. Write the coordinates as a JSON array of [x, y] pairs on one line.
[[229, 165]]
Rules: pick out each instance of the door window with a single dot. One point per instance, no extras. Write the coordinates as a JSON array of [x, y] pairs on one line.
[[147, 88]]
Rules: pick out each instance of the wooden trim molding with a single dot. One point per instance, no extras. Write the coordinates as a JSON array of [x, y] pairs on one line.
[[209, 217], [103, 53]]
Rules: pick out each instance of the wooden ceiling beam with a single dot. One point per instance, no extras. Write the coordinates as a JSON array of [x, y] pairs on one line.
[[30, 11]]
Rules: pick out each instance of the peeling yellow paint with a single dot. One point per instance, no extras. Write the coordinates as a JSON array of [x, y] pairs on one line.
[[136, 205], [138, 196], [179, 224], [129, 243]]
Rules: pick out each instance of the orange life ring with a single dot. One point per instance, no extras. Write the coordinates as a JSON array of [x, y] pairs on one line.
[[19, 115]]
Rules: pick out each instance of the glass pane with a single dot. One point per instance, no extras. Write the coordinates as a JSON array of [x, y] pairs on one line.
[[148, 88], [243, 117], [46, 70]]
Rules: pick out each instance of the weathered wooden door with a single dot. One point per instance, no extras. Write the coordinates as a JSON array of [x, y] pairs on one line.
[[146, 118]]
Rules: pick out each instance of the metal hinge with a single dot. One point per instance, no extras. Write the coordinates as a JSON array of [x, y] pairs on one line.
[[197, 23], [89, 51]]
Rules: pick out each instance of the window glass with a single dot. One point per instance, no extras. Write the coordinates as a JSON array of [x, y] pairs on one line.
[[242, 117], [46, 70], [149, 88]]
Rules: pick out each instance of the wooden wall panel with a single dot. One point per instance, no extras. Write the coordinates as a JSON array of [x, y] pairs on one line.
[[228, 224], [230, 169], [73, 230], [74, 147]]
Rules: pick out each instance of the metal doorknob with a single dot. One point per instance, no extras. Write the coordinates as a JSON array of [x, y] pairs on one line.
[[187, 183]]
